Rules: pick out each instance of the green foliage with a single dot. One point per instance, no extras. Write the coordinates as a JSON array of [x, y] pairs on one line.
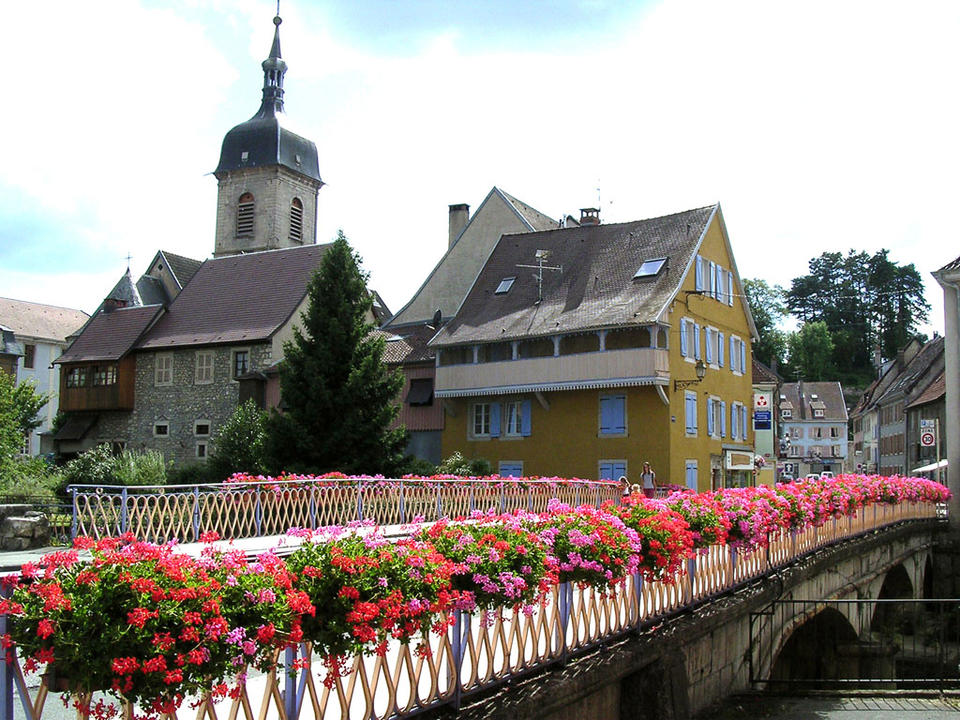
[[768, 307], [192, 474], [457, 464], [811, 349], [339, 398], [19, 407], [240, 444], [99, 466], [30, 478], [866, 301], [417, 466]]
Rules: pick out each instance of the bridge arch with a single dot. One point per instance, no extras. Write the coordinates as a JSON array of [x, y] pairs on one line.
[[812, 650]]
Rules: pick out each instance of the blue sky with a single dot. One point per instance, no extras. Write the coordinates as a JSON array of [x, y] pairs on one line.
[[818, 126]]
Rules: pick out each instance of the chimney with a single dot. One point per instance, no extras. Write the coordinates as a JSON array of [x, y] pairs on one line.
[[589, 216], [459, 215]]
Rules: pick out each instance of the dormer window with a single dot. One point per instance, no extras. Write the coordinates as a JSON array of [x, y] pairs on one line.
[[245, 215], [504, 287], [296, 221], [650, 268], [818, 413], [786, 413]]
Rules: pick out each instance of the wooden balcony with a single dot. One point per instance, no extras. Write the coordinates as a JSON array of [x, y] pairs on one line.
[[117, 396], [610, 368]]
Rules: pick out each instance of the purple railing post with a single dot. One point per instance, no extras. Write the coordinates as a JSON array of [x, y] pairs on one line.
[[291, 700], [6, 672], [196, 513], [359, 499], [403, 505], [638, 592], [258, 513], [460, 630]]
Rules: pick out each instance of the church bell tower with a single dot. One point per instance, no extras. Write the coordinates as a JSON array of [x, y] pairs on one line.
[[268, 176]]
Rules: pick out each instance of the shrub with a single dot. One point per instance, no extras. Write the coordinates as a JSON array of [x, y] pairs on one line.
[[240, 443], [100, 466], [31, 478], [93, 467], [457, 464]]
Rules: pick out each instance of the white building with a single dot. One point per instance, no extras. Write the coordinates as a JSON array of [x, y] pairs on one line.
[[42, 332]]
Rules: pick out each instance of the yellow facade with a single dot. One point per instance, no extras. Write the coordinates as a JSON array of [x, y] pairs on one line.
[[564, 425]]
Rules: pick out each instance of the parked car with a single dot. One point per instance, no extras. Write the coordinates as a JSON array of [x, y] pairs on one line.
[[812, 476], [826, 474]]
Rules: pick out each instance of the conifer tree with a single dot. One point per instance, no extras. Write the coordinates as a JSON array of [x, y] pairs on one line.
[[338, 397]]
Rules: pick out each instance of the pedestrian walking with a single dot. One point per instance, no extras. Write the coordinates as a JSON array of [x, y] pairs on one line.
[[649, 480]]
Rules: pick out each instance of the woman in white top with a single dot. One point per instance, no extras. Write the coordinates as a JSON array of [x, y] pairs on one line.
[[649, 478]]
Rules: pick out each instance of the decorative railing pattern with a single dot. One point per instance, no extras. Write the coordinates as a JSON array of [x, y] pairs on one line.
[[482, 650], [261, 509]]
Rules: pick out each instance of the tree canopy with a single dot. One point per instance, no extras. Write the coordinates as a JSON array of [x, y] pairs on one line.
[[338, 398], [865, 302], [20, 406]]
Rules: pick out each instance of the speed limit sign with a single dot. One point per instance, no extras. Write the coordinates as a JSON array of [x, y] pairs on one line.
[[928, 438]]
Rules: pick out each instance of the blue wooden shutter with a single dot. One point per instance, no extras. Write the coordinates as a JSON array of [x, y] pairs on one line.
[[710, 423], [606, 471], [698, 274], [691, 474], [710, 347], [733, 353], [696, 341], [743, 427], [612, 415], [723, 419], [619, 413], [690, 413], [743, 357], [494, 419], [525, 418], [511, 469], [735, 421], [721, 348], [712, 278], [730, 289], [683, 337]]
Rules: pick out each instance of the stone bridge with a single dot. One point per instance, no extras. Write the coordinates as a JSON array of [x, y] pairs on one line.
[[735, 642]]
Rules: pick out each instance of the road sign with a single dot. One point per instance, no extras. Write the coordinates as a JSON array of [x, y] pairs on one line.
[[760, 401], [930, 423], [928, 438], [762, 415]]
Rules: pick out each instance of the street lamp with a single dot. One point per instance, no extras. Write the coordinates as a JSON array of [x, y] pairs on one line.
[[701, 371]]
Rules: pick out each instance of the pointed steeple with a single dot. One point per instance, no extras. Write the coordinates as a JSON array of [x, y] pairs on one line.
[[274, 69]]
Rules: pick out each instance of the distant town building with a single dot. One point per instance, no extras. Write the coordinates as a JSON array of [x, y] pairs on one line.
[[813, 423], [40, 333]]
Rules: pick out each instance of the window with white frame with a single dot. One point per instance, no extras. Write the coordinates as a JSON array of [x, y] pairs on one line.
[[241, 363], [161, 429], [734, 424], [201, 428], [711, 345], [794, 451], [721, 348], [696, 341], [201, 450], [480, 420], [513, 411], [163, 369], [203, 374]]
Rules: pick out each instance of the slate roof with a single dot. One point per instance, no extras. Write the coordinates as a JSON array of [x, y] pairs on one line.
[[183, 268], [152, 291], [125, 291], [47, 322], [110, 335], [239, 298], [536, 219], [933, 392], [596, 288], [829, 399], [949, 267], [408, 344]]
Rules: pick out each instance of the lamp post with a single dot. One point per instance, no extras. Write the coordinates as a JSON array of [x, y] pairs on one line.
[[701, 371]]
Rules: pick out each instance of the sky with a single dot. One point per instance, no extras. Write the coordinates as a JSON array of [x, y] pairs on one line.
[[818, 126]]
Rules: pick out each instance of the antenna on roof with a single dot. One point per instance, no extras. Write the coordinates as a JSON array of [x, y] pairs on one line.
[[540, 256]]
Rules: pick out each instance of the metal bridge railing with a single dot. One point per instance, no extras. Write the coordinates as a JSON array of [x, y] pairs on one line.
[[261, 509], [483, 650]]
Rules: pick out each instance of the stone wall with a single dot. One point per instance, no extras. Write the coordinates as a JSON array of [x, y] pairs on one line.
[[180, 405], [22, 528]]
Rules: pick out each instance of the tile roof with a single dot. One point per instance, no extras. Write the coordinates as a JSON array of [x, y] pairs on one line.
[[763, 374], [48, 322], [239, 298], [934, 391], [596, 288], [110, 335], [183, 268], [829, 399], [408, 344], [919, 366], [152, 291]]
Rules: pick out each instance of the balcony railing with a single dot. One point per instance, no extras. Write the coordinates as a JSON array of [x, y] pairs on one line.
[[610, 368]]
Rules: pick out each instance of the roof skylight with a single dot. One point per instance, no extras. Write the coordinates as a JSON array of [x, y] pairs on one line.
[[650, 268], [504, 286]]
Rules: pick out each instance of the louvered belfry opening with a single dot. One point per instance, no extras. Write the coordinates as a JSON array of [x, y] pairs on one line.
[[296, 220], [245, 215]]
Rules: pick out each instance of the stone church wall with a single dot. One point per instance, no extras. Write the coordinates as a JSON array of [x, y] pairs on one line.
[[181, 404]]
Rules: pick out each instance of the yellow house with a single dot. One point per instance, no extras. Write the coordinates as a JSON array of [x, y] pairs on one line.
[[588, 350]]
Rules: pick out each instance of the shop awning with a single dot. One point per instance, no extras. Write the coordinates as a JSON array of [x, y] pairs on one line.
[[931, 467]]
